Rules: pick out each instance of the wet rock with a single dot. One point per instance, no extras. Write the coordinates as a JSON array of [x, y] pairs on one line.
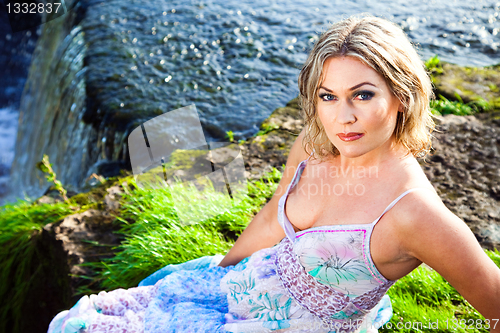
[[271, 148], [111, 200], [274, 141], [465, 148], [470, 83], [45, 199], [87, 236]]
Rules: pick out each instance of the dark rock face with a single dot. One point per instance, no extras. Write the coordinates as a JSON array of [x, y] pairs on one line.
[[47, 286], [465, 170], [88, 236], [45, 268]]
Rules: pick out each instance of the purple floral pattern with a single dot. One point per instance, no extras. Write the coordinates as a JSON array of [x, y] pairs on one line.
[[323, 300], [335, 258]]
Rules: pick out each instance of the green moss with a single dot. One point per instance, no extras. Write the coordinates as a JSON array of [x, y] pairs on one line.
[[265, 128], [230, 136], [434, 65], [495, 103], [90, 199], [184, 159], [476, 85], [294, 103], [279, 127]]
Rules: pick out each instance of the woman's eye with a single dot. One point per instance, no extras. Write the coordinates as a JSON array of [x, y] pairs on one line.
[[326, 97], [364, 95]]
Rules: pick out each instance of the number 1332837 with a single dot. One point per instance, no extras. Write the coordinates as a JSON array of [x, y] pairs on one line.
[[33, 8], [471, 324]]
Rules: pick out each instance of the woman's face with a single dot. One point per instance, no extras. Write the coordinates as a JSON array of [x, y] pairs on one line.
[[357, 108]]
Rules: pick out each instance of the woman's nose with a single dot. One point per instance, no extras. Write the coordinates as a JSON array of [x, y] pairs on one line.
[[346, 114]]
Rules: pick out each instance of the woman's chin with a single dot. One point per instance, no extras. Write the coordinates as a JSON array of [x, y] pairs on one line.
[[351, 153]]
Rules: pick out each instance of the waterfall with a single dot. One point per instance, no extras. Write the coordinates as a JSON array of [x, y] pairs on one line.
[[51, 110]]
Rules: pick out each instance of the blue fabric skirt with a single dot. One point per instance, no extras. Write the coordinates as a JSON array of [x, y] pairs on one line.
[[189, 298]]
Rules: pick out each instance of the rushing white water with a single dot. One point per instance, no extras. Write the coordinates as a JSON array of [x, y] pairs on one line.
[[8, 131]]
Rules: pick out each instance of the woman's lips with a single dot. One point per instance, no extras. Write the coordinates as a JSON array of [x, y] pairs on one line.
[[349, 136]]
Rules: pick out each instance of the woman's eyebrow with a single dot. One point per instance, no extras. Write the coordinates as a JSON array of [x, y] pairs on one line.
[[362, 84], [352, 88]]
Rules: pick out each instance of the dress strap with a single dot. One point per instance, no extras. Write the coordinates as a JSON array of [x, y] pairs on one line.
[[310, 155], [282, 218], [395, 201]]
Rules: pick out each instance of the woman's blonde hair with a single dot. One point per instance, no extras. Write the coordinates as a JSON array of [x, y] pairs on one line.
[[384, 47]]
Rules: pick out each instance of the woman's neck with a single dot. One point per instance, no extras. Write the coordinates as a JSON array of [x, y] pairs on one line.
[[380, 159]]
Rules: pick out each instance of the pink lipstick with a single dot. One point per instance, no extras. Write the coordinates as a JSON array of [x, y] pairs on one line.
[[351, 136]]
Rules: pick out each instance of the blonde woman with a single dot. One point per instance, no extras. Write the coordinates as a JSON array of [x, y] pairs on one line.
[[353, 213]]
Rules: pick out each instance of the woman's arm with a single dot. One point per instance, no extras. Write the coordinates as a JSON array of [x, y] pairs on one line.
[[437, 237], [264, 230]]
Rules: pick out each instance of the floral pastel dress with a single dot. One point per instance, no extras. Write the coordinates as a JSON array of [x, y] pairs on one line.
[[322, 279]]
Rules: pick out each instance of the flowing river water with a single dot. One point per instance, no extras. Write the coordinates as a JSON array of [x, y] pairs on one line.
[[235, 60]]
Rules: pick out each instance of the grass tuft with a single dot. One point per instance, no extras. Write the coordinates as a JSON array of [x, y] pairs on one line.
[[444, 106], [155, 236], [20, 225]]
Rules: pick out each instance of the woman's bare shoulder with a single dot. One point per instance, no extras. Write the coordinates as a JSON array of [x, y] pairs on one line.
[[297, 151], [422, 209], [429, 231]]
